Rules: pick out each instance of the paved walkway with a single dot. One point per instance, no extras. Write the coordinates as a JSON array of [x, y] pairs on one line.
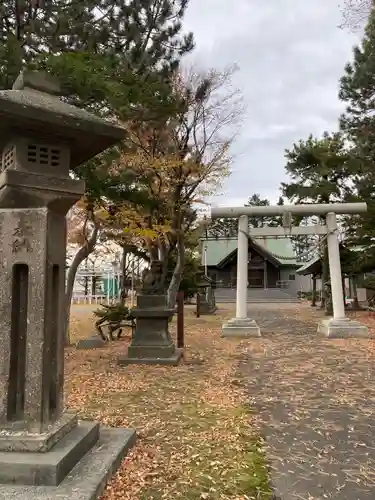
[[316, 402]]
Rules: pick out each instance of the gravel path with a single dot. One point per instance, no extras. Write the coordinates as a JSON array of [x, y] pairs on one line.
[[315, 398]]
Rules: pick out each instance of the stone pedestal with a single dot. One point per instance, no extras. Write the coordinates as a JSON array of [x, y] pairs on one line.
[[237, 327], [45, 452], [342, 328], [92, 342], [151, 342], [206, 307]]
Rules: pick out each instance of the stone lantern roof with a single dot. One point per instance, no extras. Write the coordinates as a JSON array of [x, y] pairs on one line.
[[34, 105], [203, 281]]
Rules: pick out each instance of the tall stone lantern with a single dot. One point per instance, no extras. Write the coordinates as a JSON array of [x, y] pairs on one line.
[[41, 140], [206, 292]]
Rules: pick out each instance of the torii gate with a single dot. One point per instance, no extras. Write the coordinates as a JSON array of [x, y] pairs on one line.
[[339, 326]]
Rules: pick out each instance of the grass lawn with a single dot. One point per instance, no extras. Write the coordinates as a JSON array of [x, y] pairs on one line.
[[196, 436]]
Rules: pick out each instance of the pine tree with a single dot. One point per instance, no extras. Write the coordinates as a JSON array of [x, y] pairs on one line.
[[256, 200], [116, 58], [319, 170], [112, 56], [222, 228], [357, 88]]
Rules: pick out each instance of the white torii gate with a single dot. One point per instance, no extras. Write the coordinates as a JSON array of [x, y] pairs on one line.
[[339, 326]]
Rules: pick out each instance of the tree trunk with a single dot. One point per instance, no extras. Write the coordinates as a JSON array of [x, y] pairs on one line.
[[174, 285], [163, 255], [343, 289], [153, 252], [350, 287], [313, 297], [355, 293], [86, 249], [123, 277], [86, 279], [94, 284]]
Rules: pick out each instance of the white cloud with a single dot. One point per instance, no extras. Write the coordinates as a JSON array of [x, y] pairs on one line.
[[291, 56]]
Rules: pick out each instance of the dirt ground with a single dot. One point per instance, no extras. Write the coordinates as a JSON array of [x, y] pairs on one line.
[[197, 437], [199, 424]]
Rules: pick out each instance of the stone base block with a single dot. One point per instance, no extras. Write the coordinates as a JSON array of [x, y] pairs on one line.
[[50, 468], [91, 342], [21, 441], [151, 351], [172, 360], [207, 311], [87, 480], [343, 328], [240, 328]]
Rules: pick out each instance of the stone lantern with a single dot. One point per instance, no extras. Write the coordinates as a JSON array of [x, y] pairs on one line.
[[151, 342], [206, 287], [41, 140]]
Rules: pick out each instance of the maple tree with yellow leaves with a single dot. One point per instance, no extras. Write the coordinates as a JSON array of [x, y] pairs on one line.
[[178, 164], [165, 171]]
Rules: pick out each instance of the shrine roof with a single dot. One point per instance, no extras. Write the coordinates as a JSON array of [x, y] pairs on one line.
[[313, 266], [276, 248]]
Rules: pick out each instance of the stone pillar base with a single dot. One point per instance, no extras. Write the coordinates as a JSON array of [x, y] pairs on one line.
[[78, 466], [28, 439], [238, 327], [35, 463], [207, 310], [342, 328]]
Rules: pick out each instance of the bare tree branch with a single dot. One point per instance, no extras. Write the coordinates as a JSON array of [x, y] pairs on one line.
[[356, 13]]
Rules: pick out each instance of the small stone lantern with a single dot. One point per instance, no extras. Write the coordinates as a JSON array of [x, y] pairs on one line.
[[206, 287], [151, 342], [41, 140]]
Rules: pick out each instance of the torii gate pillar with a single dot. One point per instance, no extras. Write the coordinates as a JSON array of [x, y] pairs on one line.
[[340, 326], [241, 325]]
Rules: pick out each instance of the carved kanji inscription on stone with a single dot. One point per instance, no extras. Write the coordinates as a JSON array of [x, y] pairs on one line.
[[21, 237]]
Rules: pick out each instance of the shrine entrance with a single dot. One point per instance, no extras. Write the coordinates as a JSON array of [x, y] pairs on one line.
[[255, 277], [337, 326]]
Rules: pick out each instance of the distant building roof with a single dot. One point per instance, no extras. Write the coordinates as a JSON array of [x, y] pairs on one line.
[[313, 266], [277, 248]]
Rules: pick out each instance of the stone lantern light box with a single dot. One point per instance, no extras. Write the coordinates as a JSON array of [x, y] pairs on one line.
[[41, 139]]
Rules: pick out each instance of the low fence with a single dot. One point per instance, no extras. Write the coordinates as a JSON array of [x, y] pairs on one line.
[[101, 287], [103, 299]]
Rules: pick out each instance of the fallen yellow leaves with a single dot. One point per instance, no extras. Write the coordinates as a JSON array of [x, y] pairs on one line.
[[196, 440]]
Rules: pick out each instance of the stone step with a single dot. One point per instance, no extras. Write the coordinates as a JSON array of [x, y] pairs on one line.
[[227, 295], [260, 301]]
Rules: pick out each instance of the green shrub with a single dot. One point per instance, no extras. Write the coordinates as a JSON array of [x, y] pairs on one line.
[[369, 283], [112, 316], [112, 312]]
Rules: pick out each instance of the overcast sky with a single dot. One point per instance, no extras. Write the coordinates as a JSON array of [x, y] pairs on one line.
[[291, 55]]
